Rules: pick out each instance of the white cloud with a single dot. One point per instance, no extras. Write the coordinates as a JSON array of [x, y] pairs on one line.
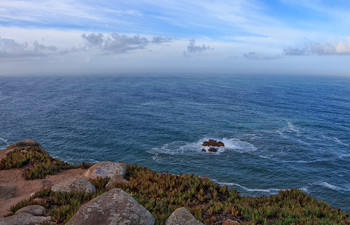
[[119, 43], [321, 48], [9, 48], [193, 48]]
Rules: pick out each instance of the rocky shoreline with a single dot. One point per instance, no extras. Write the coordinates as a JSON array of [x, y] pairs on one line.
[[38, 189]]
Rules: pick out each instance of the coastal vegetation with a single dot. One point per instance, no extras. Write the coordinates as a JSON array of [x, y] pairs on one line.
[[37, 163], [162, 193]]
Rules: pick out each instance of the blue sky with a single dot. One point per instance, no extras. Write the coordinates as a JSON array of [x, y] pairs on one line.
[[305, 37]]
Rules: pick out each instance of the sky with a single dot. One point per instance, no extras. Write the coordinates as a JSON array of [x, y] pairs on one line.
[[78, 37]]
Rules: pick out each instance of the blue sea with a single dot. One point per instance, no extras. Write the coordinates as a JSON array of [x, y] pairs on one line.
[[279, 132]]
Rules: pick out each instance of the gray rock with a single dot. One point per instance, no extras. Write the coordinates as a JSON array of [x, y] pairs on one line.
[[35, 210], [182, 216], [118, 176], [7, 191], [106, 169], [112, 207], [33, 214], [74, 184]]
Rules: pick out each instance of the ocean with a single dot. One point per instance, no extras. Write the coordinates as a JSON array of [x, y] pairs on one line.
[[280, 132]]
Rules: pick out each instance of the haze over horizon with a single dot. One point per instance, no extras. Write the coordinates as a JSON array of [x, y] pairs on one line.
[[70, 37]]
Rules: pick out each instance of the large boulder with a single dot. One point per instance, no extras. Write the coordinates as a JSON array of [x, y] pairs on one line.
[[74, 184], [118, 177], [182, 216], [106, 169], [33, 214], [112, 207]]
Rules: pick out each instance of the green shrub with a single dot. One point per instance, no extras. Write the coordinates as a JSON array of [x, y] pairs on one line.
[[37, 163], [162, 193]]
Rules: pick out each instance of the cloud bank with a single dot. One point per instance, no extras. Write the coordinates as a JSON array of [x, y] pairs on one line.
[[321, 48], [116, 43], [259, 56], [9, 48]]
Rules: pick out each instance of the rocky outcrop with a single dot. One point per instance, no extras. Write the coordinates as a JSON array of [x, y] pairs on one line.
[[33, 214], [106, 169], [212, 142], [182, 216], [112, 207], [74, 184]]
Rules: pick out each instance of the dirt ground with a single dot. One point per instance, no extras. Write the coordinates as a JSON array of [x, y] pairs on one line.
[[20, 188]]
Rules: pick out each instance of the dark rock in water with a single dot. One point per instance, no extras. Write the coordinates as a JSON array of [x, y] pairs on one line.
[[205, 143], [203, 150], [211, 149], [213, 142], [221, 144], [112, 207]]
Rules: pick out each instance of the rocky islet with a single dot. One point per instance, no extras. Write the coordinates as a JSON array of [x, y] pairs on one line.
[[212, 143]]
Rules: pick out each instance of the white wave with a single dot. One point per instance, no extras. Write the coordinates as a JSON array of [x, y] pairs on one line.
[[179, 147], [332, 187], [305, 189], [307, 161], [336, 140], [269, 190], [291, 127], [280, 132], [5, 141]]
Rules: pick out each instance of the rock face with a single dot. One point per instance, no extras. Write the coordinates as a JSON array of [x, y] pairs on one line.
[[33, 214], [106, 169], [74, 184], [112, 207], [182, 216], [7, 191]]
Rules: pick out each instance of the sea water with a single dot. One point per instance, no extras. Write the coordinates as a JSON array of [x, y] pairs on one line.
[[279, 132]]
